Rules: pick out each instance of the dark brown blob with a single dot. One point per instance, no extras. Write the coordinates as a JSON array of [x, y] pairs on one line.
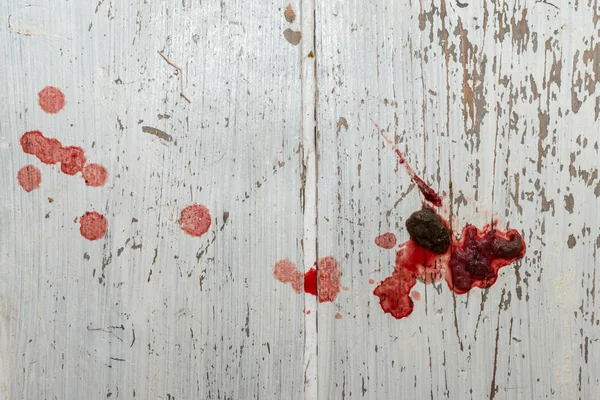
[[428, 230]]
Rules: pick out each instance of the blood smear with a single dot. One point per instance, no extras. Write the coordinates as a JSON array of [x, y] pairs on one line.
[[386, 240], [93, 225], [29, 177], [51, 99]]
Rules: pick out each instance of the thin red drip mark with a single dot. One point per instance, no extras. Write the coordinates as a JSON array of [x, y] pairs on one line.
[[429, 194]]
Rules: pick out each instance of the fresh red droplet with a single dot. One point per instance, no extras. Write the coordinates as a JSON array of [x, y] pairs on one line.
[[72, 160], [47, 150], [286, 271], [29, 178], [195, 220], [93, 225], [94, 175], [310, 281], [51, 99], [386, 240]]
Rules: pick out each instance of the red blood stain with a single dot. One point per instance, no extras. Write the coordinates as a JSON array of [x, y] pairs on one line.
[[472, 261], [478, 256], [416, 295], [310, 282], [29, 178], [429, 194], [195, 220], [371, 281], [94, 175], [51, 99], [72, 160], [338, 315], [386, 240], [286, 271], [92, 225], [47, 150], [322, 281]]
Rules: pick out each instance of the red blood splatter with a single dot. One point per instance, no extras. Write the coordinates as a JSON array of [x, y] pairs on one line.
[[51, 99], [429, 194], [72, 160], [322, 281], [286, 271], [195, 220], [386, 240], [416, 295], [478, 256], [29, 178], [371, 281], [47, 150], [95, 175], [472, 261], [92, 225], [338, 315]]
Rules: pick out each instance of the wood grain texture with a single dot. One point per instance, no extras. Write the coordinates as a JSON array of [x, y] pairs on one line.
[[494, 103], [485, 102]]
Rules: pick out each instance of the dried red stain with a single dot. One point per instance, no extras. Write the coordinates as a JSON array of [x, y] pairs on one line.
[[93, 225], [47, 150], [416, 295], [72, 160], [338, 315], [29, 177], [51, 99], [195, 220], [386, 240], [94, 175], [322, 281], [286, 271]]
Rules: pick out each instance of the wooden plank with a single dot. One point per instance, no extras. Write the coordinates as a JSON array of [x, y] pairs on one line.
[[497, 101], [148, 311]]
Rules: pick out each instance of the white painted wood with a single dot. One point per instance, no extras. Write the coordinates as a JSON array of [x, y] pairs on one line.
[[533, 333], [215, 325], [210, 321]]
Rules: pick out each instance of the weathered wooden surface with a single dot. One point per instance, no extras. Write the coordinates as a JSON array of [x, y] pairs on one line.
[[495, 104]]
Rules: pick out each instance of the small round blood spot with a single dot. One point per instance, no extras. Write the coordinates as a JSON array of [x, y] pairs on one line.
[[94, 175], [386, 240], [51, 99], [416, 295], [29, 178], [338, 315], [371, 281], [195, 220], [92, 225], [72, 160]]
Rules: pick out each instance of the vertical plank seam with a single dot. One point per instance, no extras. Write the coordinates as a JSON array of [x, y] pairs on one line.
[[309, 159]]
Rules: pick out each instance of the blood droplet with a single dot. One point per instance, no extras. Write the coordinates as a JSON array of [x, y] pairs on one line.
[[51, 99], [29, 177], [94, 175], [310, 282], [195, 220], [338, 315], [93, 225], [386, 240]]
